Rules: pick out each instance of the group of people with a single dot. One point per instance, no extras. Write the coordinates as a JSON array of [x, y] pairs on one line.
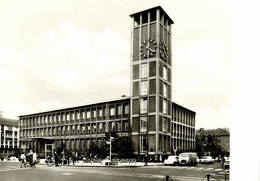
[[74, 157], [29, 157]]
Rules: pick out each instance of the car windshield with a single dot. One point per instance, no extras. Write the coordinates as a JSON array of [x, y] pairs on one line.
[[184, 155]]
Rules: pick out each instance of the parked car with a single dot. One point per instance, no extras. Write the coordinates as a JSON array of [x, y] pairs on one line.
[[172, 160], [226, 162], [207, 159], [188, 158]]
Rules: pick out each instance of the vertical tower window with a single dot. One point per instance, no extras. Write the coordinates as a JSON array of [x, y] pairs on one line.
[[143, 124], [164, 89], [144, 70], [144, 87], [164, 72], [164, 106], [143, 143], [143, 105]]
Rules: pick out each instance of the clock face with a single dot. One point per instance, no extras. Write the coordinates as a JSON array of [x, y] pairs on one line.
[[163, 50], [148, 48]]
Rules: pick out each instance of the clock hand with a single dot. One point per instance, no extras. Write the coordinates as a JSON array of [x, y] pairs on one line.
[[151, 49]]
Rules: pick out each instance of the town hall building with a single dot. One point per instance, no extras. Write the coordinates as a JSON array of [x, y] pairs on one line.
[[155, 124]]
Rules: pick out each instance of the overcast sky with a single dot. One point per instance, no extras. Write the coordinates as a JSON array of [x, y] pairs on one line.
[[62, 53]]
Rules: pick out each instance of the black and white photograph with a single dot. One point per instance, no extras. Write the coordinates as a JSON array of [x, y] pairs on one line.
[[116, 90]]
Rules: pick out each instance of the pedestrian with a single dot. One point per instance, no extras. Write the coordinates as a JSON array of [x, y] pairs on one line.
[[56, 158], [23, 160], [155, 158], [34, 158], [145, 160], [30, 158], [73, 158], [160, 158], [77, 157]]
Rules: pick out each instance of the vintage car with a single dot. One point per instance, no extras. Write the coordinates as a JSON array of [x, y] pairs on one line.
[[172, 160], [188, 158], [207, 159]]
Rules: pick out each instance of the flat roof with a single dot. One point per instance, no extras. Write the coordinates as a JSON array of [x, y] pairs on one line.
[[157, 7], [73, 107]]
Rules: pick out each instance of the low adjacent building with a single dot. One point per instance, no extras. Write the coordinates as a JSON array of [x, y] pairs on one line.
[[9, 136]]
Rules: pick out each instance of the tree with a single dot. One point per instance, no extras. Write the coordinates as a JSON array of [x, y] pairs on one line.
[[120, 145], [206, 144]]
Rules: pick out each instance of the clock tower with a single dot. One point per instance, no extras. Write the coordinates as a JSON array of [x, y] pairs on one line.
[[151, 65]]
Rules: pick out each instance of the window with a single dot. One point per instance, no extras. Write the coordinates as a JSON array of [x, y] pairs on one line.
[[88, 128], [143, 143], [164, 89], [137, 20], [118, 125], [164, 125], [100, 112], [77, 115], [72, 116], [143, 124], [67, 116], [144, 70], [82, 114], [164, 106], [118, 110], [125, 126], [112, 126], [143, 105], [88, 145], [88, 114], [164, 72], [126, 108], [94, 113], [100, 127], [112, 110], [144, 87]]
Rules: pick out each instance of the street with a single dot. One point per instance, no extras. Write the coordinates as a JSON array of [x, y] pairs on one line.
[[10, 171]]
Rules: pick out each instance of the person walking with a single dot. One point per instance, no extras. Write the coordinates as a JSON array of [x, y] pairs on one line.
[[30, 158], [23, 160], [56, 158], [34, 158], [73, 158]]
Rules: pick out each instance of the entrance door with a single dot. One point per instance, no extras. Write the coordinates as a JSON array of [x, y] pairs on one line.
[[48, 150]]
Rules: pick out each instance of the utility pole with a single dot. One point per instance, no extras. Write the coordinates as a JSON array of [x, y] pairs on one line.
[[110, 152]]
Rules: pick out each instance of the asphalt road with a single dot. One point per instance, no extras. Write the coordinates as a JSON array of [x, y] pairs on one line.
[[10, 171]]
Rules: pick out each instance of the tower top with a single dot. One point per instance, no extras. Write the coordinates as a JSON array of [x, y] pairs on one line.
[[154, 8]]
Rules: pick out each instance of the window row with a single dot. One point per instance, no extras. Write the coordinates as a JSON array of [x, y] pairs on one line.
[[181, 144], [115, 111], [146, 70], [183, 131], [116, 126], [183, 117]]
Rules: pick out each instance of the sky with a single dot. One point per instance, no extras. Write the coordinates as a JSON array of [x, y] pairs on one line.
[[62, 53]]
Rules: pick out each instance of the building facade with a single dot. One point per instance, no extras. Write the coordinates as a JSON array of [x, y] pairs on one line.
[[156, 125], [9, 136]]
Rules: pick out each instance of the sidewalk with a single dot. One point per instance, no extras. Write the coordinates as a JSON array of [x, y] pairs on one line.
[[81, 164]]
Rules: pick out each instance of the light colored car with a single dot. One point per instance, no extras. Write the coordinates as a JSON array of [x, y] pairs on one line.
[[171, 160], [188, 158], [226, 162], [207, 159]]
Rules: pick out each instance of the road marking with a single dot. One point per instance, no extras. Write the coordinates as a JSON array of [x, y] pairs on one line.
[[209, 168], [218, 169], [67, 173], [11, 169]]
